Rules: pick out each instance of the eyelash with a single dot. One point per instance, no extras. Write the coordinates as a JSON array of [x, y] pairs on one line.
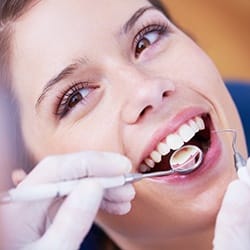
[[63, 99], [161, 28]]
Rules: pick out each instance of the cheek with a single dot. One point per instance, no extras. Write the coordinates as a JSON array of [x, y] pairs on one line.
[[186, 64], [183, 61], [86, 134]]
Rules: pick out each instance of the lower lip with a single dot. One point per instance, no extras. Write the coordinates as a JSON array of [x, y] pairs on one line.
[[210, 160]]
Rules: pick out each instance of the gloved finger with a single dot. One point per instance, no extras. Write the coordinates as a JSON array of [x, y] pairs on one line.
[[77, 165], [124, 193], [23, 222], [233, 222], [111, 197], [74, 218], [52, 211], [116, 208]]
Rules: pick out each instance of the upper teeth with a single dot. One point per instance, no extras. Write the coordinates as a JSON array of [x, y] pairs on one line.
[[173, 141]]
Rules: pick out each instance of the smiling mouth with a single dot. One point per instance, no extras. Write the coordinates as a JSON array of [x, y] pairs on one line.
[[196, 131]]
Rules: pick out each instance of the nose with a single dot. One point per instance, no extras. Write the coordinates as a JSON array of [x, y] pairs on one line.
[[146, 95]]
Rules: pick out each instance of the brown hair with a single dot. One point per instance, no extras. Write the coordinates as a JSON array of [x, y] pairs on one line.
[[10, 10]]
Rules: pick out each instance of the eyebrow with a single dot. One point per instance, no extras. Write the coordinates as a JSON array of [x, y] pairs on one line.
[[64, 74], [134, 18], [70, 69]]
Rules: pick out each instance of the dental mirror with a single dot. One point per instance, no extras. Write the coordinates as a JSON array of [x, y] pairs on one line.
[[183, 161], [186, 159]]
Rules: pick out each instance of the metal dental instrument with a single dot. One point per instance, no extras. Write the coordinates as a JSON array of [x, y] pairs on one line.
[[239, 160], [183, 169], [192, 159], [60, 189]]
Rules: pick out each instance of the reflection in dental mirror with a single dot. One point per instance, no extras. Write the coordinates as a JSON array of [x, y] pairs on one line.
[[186, 159]]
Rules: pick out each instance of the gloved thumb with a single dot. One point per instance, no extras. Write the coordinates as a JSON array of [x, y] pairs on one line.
[[232, 229]]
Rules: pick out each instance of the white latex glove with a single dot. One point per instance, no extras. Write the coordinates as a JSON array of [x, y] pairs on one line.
[[63, 224], [232, 230]]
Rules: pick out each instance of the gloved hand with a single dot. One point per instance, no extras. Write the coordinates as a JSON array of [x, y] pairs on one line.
[[233, 222], [63, 224]]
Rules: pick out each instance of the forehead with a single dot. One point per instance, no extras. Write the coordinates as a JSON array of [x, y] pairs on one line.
[[54, 17], [55, 32]]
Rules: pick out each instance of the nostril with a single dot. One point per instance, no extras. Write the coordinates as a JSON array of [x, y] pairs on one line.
[[150, 107], [165, 94], [145, 110]]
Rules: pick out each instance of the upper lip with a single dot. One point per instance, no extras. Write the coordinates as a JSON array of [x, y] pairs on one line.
[[169, 126]]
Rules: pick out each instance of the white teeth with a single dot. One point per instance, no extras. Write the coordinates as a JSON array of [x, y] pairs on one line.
[[193, 125], [163, 148], [150, 162], [156, 156], [186, 132], [174, 141], [200, 123]]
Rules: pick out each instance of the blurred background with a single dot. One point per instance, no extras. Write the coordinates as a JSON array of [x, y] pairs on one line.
[[11, 155], [221, 28]]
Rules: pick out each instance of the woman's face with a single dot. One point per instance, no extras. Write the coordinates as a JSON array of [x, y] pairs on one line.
[[119, 76]]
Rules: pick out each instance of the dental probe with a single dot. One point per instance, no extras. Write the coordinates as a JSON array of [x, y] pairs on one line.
[[239, 161]]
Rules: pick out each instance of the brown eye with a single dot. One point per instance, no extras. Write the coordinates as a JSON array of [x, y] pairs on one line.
[[79, 93], [74, 100], [142, 44], [147, 37], [78, 97]]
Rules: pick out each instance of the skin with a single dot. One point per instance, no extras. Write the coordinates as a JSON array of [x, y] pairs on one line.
[[136, 96]]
